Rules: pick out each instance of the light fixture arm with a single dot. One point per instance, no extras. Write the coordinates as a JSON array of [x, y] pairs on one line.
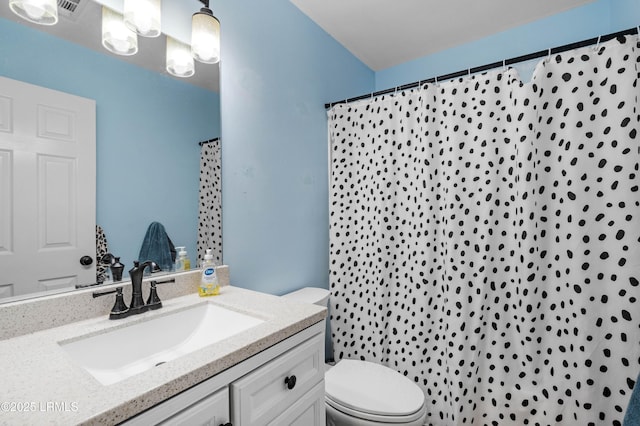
[[206, 10]]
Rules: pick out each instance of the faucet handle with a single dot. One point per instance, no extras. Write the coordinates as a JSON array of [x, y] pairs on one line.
[[119, 309], [154, 302]]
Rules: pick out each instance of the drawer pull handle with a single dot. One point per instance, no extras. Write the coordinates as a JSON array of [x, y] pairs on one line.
[[226, 424], [290, 382]]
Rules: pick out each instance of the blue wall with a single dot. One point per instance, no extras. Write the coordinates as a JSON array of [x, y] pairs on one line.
[[625, 14], [148, 126], [591, 20], [278, 70]]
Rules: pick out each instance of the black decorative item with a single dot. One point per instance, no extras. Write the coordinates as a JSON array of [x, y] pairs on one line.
[[116, 269]]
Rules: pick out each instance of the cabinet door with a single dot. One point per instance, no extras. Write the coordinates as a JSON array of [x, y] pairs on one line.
[[308, 410], [267, 392], [210, 411]]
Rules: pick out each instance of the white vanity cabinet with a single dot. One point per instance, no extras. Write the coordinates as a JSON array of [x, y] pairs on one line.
[[282, 385], [270, 391]]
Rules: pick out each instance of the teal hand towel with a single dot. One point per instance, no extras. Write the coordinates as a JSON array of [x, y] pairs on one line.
[[157, 246]]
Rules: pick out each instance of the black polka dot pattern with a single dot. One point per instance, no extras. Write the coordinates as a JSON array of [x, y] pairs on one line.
[[485, 239], [210, 211], [102, 248]]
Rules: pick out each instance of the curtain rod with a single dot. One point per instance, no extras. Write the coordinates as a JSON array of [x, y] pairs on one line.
[[487, 67], [209, 141]]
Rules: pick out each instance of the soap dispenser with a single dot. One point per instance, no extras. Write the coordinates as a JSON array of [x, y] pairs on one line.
[[182, 261], [209, 280]]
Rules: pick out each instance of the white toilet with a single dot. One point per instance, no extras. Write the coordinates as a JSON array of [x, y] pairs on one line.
[[364, 393]]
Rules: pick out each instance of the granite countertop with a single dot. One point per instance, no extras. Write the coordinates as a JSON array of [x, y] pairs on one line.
[[42, 385]]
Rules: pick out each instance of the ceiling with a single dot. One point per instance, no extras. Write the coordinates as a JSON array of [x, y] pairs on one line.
[[381, 33], [385, 33], [83, 27]]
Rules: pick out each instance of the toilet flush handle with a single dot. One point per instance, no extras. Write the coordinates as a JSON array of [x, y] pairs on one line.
[[290, 382]]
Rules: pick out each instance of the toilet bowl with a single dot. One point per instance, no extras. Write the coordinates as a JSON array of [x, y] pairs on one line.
[[362, 393]]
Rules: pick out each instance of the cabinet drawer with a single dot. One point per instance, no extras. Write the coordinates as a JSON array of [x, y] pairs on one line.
[[309, 410], [263, 394], [212, 410]]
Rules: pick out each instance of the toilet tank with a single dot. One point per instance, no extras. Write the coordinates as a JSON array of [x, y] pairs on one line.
[[314, 295]]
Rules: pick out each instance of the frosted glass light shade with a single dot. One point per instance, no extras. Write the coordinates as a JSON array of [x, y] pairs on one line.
[[143, 16], [116, 37], [43, 12], [205, 37], [179, 60]]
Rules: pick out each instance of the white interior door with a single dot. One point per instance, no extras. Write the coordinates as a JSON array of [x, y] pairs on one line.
[[47, 189]]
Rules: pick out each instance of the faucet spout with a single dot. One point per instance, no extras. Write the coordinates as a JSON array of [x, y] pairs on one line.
[[137, 305]]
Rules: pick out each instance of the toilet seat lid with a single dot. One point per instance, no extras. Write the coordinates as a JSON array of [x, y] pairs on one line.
[[371, 388]]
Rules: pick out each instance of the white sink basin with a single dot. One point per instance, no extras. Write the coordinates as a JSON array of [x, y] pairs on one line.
[[116, 355]]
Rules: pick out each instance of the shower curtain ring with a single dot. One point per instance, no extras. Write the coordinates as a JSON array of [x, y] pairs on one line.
[[504, 65], [598, 43]]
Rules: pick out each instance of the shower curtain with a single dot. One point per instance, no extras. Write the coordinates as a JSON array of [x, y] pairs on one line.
[[484, 239], [210, 210]]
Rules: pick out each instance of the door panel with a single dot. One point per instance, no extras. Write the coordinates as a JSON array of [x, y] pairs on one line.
[[57, 202]]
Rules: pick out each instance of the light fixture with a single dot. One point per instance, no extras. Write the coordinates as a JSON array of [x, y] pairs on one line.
[[205, 35], [116, 37], [143, 16], [179, 59], [43, 12]]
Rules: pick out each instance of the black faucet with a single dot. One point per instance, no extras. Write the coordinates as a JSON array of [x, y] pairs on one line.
[[119, 309], [154, 302], [137, 305]]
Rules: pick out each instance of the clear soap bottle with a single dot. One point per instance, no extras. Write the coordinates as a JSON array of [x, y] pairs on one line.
[[208, 281], [182, 261]]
